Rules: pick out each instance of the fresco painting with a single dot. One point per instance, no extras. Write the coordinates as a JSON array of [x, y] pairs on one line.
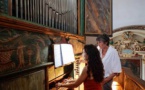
[[21, 50]]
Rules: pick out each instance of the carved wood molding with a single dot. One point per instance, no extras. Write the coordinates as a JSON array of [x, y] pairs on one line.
[[134, 27], [18, 24]]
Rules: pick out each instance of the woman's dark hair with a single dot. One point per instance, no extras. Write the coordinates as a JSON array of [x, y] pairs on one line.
[[104, 37], [95, 65]]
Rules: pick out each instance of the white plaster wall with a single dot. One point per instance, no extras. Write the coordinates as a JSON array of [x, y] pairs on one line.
[[90, 40], [128, 12]]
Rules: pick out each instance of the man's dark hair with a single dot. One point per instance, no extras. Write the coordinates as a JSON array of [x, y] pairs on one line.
[[104, 38]]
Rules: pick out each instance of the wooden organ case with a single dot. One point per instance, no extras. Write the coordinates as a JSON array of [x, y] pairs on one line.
[[28, 28]]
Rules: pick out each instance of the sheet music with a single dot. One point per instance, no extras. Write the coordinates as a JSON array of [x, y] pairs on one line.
[[63, 54], [57, 55], [67, 53]]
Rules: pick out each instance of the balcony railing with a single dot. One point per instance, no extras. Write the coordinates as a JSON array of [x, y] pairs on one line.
[[58, 14], [128, 81]]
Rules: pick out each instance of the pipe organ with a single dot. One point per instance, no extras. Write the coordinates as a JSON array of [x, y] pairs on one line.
[[28, 28], [58, 14]]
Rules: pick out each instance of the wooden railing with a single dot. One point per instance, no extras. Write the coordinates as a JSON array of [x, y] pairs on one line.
[[128, 81], [58, 14]]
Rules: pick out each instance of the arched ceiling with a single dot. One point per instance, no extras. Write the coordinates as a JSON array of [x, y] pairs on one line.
[[136, 32]]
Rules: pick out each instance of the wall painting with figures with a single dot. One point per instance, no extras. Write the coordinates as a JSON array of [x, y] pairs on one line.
[[21, 50]]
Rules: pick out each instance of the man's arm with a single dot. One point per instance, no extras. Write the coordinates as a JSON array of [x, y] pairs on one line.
[[109, 78]]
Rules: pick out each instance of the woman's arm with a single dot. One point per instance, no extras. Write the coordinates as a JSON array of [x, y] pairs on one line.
[[81, 79], [70, 81]]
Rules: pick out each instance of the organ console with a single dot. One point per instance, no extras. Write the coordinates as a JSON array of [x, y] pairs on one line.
[[72, 76]]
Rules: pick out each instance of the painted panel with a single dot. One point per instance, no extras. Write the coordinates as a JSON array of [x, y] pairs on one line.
[[98, 16], [4, 6], [133, 64], [21, 50], [33, 81]]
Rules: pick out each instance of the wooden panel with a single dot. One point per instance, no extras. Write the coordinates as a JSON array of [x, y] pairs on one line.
[[78, 66], [27, 26], [130, 85], [32, 81], [118, 82], [128, 81], [59, 71], [53, 73], [77, 45]]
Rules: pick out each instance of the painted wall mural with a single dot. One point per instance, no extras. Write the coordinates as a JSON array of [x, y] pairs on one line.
[[21, 49], [134, 65], [98, 16]]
